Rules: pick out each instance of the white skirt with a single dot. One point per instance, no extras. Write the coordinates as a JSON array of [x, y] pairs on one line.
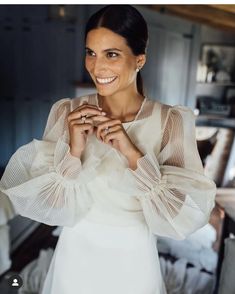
[[98, 258]]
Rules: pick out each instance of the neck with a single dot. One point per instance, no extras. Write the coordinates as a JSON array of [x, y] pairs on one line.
[[123, 106]]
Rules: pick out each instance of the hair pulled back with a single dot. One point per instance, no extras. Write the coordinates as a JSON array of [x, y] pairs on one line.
[[126, 21]]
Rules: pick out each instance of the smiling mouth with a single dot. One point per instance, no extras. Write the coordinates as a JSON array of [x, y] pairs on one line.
[[105, 81]]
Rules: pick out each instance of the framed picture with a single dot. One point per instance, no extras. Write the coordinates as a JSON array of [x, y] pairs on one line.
[[217, 63]]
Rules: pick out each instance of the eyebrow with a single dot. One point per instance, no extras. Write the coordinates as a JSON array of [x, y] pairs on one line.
[[110, 49]]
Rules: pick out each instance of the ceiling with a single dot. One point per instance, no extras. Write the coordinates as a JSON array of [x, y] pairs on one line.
[[218, 16]]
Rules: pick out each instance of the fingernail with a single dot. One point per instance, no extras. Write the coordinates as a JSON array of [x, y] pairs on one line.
[[100, 108], [103, 113]]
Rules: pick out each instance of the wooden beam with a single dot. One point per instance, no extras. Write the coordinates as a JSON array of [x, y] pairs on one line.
[[227, 8], [201, 13]]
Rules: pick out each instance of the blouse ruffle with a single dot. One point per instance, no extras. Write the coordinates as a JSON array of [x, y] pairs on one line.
[[176, 200], [44, 181], [47, 184]]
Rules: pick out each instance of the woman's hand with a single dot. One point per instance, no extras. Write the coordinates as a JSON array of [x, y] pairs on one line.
[[80, 124], [111, 131]]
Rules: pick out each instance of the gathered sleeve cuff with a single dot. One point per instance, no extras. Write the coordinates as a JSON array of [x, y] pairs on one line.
[[44, 181], [175, 195]]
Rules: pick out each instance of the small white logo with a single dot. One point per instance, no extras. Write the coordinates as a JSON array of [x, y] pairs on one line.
[[15, 281]]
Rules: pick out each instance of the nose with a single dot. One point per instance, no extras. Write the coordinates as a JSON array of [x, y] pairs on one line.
[[99, 66]]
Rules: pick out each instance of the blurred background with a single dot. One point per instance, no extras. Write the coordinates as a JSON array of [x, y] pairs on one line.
[[190, 61]]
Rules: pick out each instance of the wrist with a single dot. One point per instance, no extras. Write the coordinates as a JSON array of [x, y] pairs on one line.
[[75, 153], [133, 157]]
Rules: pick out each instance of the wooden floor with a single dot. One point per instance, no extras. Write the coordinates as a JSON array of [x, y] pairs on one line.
[[41, 238]]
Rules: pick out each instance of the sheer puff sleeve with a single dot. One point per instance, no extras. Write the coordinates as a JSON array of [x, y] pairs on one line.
[[43, 180], [176, 197]]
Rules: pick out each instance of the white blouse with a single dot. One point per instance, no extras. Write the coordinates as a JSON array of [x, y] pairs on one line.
[[169, 189]]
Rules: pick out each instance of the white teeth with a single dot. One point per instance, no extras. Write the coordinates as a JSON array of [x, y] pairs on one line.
[[106, 80]]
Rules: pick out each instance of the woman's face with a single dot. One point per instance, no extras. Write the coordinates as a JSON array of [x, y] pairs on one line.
[[110, 62]]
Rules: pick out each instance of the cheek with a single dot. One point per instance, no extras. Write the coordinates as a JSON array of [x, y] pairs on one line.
[[88, 64], [128, 72], [125, 68]]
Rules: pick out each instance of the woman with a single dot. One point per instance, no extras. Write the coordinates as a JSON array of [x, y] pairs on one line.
[[115, 169]]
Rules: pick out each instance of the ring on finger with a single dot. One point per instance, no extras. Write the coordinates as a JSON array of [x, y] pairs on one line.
[[106, 130], [83, 119]]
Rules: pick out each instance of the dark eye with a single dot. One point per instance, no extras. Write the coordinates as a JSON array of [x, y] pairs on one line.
[[89, 52], [112, 54]]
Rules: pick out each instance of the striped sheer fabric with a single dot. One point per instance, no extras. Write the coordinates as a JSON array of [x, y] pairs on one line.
[[46, 183], [43, 180], [176, 197]]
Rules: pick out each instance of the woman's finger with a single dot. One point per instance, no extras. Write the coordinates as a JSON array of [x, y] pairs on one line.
[[84, 105], [82, 127], [105, 124], [89, 112], [81, 121], [111, 136], [97, 119], [110, 130]]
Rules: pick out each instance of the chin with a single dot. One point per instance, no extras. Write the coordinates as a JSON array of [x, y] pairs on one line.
[[105, 92]]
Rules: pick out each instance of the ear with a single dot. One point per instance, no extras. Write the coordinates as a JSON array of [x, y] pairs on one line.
[[141, 60]]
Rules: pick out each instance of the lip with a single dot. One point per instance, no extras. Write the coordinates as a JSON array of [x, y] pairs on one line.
[[104, 84], [105, 77]]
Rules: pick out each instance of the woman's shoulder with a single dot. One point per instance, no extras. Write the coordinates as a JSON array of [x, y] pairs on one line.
[[159, 104], [172, 113], [168, 109], [182, 108]]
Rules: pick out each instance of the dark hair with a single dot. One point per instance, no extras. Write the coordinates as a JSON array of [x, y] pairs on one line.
[[126, 21]]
